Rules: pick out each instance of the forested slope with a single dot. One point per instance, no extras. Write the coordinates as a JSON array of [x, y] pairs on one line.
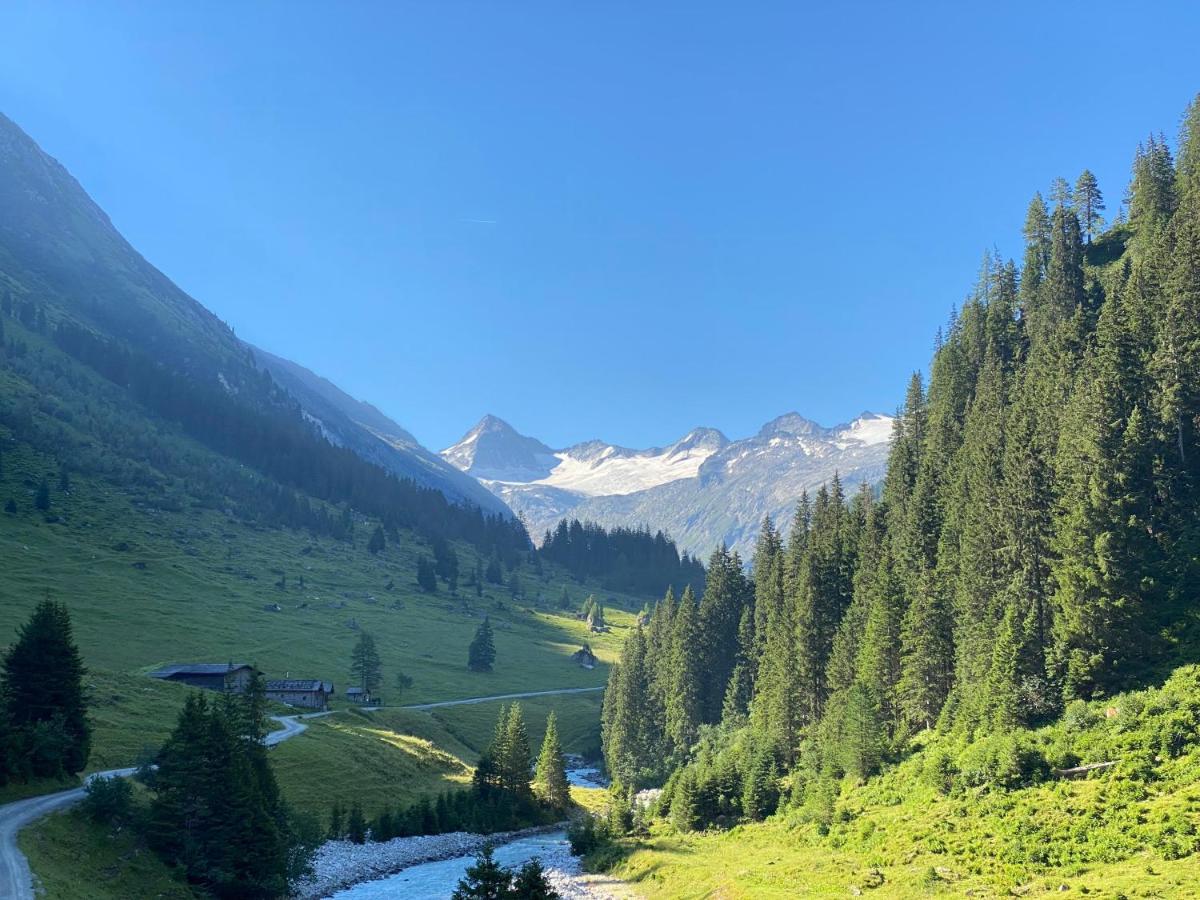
[[1035, 548]]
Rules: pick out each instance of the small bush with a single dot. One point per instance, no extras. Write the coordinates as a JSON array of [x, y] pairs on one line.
[[939, 771], [108, 801]]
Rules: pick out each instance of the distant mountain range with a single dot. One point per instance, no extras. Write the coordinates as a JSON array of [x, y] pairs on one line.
[[702, 489]]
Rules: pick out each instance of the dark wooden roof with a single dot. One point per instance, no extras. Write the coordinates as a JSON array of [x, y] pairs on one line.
[[199, 669], [299, 684]]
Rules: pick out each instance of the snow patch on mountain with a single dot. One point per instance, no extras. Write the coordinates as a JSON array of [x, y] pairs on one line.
[[702, 490]]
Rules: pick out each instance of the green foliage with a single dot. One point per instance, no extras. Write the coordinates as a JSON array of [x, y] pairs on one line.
[[481, 655], [365, 665], [624, 559], [217, 811], [45, 729], [486, 879], [108, 801], [378, 542], [356, 825], [550, 780], [426, 576]]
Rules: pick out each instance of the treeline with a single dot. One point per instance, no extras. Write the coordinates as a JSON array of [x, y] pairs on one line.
[[506, 792], [44, 728], [266, 430], [623, 559], [1036, 540]]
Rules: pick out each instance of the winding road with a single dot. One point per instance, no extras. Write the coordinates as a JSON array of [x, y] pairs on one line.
[[16, 880]]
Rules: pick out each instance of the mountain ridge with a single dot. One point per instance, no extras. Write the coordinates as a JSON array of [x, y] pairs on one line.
[[703, 489]]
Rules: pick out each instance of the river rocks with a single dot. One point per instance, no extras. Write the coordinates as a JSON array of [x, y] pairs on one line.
[[339, 864]]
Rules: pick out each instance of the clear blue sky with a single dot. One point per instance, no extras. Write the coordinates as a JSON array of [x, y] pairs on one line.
[[614, 220]]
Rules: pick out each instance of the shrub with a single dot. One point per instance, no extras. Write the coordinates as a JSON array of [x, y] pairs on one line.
[[1006, 761], [108, 801], [939, 770]]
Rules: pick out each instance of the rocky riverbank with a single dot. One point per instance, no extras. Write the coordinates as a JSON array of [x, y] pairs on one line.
[[340, 864]]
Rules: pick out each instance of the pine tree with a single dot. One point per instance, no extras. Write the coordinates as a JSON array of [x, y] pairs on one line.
[[365, 666], [550, 782], [336, 822], [481, 655], [1089, 203], [760, 788], [494, 574], [356, 825], [1106, 555], [683, 709], [1151, 197], [531, 883], [685, 803], [514, 762], [378, 542], [630, 727], [486, 879], [426, 576], [859, 748], [42, 687], [926, 656], [774, 709], [1037, 252]]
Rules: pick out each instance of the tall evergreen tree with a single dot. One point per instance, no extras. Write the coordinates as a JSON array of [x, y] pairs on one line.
[[365, 665], [550, 782], [1089, 204], [481, 655], [685, 664], [43, 690]]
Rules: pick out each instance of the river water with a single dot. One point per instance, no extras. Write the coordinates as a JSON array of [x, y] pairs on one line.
[[437, 880]]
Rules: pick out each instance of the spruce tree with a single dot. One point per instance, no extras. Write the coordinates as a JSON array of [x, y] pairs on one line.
[[481, 655], [43, 689], [550, 782], [516, 757], [377, 542], [531, 883], [1089, 204], [683, 709], [365, 665], [356, 825], [486, 879], [426, 576]]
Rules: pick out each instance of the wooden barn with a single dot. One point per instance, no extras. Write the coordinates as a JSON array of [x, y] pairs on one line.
[[229, 677], [360, 696], [309, 693]]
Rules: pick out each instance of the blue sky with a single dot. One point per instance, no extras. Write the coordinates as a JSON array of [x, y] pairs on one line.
[[616, 220]]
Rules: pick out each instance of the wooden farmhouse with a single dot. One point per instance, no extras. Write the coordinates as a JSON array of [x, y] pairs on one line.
[[358, 695], [228, 677], [309, 693]]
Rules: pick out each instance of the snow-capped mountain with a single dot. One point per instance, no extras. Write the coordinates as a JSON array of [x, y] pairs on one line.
[[702, 489]]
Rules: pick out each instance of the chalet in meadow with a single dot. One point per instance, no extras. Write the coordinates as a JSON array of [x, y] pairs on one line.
[[310, 693], [227, 677]]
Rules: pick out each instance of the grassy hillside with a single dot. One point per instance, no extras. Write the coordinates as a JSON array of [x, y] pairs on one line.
[[149, 584], [984, 819]]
